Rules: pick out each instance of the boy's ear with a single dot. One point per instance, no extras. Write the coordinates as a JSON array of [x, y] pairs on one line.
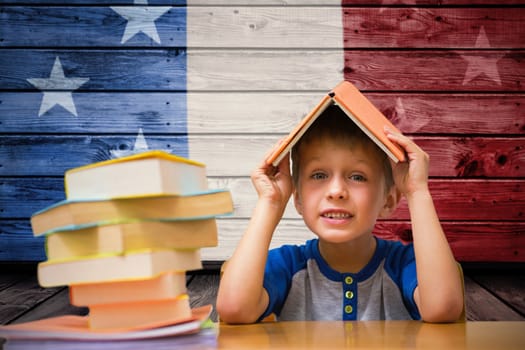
[[297, 202], [392, 200]]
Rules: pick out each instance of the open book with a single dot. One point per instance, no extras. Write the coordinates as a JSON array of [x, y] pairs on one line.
[[358, 108]]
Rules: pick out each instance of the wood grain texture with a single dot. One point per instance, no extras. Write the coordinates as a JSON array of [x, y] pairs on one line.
[[507, 286], [472, 241], [478, 307], [454, 199], [238, 75], [189, 3], [458, 157], [202, 290], [157, 69], [56, 305], [86, 26], [482, 305], [21, 297], [207, 69], [255, 113], [433, 27], [384, 3]]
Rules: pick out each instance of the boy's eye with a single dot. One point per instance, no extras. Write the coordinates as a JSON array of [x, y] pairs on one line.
[[318, 176], [358, 178]]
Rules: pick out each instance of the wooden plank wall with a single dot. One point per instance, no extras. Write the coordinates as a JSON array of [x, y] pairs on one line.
[[221, 81]]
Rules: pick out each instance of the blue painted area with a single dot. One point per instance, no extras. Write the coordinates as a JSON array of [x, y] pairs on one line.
[[107, 70], [130, 85], [89, 26]]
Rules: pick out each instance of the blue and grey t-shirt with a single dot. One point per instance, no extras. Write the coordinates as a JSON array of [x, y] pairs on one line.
[[301, 285]]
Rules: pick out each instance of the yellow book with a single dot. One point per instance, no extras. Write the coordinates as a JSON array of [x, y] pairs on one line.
[[164, 286], [140, 314], [130, 236], [147, 173], [68, 214], [104, 268]]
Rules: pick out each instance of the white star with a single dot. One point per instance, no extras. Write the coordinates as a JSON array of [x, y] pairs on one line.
[[140, 19], [478, 65], [404, 122], [140, 146], [57, 81]]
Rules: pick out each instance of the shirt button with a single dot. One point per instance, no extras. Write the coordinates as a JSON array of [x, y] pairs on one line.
[[349, 294], [349, 309], [349, 280]]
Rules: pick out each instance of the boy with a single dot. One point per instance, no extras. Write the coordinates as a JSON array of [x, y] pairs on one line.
[[342, 183]]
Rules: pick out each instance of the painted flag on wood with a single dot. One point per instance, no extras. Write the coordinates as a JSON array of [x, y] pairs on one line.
[[90, 80]]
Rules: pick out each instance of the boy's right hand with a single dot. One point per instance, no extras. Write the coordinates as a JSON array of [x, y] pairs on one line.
[[273, 184]]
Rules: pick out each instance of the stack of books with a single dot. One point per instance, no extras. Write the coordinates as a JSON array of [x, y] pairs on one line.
[[127, 233]]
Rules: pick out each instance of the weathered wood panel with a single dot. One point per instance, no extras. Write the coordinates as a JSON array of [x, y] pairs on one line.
[[56, 305], [446, 72], [203, 289], [487, 307], [397, 70], [384, 3], [21, 246], [505, 239], [498, 283], [288, 70], [454, 199], [255, 112], [459, 157], [262, 27], [21, 297], [142, 70], [86, 26]]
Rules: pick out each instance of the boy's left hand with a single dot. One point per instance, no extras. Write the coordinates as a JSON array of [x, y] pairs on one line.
[[410, 176]]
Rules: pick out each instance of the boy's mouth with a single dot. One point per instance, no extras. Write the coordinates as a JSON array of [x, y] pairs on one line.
[[336, 215]]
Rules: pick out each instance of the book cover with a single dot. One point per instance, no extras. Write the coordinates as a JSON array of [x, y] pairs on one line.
[[146, 173], [204, 339], [166, 285], [76, 328], [117, 267], [123, 237], [142, 313], [358, 108], [68, 214]]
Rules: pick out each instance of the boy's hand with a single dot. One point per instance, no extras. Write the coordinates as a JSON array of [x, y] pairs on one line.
[[411, 176], [273, 183]]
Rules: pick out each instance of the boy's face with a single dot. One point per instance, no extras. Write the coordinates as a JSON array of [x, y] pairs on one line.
[[341, 190]]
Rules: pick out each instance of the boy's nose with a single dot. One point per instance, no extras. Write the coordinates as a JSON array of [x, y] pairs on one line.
[[337, 189]]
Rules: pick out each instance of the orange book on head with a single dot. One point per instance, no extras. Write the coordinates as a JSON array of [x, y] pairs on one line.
[[358, 108], [140, 314]]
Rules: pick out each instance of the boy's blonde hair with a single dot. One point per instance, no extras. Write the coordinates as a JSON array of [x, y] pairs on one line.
[[335, 125]]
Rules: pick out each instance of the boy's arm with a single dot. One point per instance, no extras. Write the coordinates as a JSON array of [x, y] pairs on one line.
[[439, 295], [241, 297]]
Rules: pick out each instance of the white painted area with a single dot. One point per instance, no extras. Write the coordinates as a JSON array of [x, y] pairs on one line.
[[264, 27], [268, 2], [230, 232], [253, 72], [264, 70]]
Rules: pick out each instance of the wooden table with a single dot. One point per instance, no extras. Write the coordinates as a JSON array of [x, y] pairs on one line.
[[373, 335]]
